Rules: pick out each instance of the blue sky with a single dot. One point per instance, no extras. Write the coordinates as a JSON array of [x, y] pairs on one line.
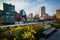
[[31, 5]]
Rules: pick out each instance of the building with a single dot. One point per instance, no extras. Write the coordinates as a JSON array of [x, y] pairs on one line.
[[58, 14], [38, 11], [30, 18], [54, 16], [18, 18], [42, 9], [36, 18], [30, 15], [1, 17], [23, 13], [9, 11], [50, 18], [43, 14]]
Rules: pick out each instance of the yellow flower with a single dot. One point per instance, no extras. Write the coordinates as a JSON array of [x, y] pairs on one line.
[[19, 28], [32, 36], [33, 31], [15, 38], [26, 35]]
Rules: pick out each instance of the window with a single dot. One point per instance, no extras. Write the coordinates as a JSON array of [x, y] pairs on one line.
[[7, 16], [12, 20], [7, 12], [12, 16], [12, 12], [24, 13], [12, 8]]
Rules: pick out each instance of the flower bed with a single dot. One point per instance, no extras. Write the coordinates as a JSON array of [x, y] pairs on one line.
[[27, 32]]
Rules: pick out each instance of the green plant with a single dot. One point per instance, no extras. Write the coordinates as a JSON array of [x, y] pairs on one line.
[[24, 33]]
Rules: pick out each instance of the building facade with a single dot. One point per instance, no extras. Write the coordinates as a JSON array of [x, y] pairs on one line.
[[1, 16], [30, 18], [42, 9], [9, 11], [30, 15], [18, 17], [58, 14], [23, 13], [36, 18]]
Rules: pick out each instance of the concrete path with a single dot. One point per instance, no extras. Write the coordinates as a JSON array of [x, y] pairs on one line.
[[54, 36]]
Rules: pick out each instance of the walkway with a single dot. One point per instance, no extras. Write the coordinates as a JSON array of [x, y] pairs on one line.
[[54, 36]]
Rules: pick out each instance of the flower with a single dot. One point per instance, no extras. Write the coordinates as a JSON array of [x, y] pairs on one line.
[[33, 31], [27, 35], [15, 38]]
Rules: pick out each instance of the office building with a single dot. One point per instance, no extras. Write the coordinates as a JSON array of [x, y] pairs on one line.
[[1, 17], [42, 9], [9, 11], [23, 13]]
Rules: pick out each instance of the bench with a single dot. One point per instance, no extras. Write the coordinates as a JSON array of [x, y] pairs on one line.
[[48, 32]]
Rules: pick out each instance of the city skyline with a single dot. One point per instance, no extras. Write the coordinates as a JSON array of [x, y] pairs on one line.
[[31, 5]]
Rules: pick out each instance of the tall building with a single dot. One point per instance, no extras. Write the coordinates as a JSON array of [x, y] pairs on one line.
[[42, 9], [58, 14], [1, 17], [9, 11], [23, 13]]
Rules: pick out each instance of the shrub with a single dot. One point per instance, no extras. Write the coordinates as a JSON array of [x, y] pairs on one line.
[[56, 25], [58, 20], [24, 33]]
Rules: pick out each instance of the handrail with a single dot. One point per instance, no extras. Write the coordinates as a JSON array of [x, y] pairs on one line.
[[21, 24]]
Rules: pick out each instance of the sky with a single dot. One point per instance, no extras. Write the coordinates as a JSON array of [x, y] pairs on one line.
[[31, 5]]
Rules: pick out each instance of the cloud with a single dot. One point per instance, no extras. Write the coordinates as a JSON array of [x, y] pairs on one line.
[[19, 4], [28, 5]]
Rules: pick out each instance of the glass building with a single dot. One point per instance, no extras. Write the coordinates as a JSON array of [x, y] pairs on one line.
[[23, 13], [9, 11]]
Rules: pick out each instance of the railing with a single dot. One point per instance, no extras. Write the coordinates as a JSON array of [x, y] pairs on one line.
[[21, 24]]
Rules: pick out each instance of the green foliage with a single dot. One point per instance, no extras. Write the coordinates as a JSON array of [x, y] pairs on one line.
[[20, 33], [56, 25], [26, 32], [58, 20]]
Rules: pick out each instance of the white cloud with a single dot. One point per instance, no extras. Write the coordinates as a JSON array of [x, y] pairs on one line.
[[22, 4], [19, 4]]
